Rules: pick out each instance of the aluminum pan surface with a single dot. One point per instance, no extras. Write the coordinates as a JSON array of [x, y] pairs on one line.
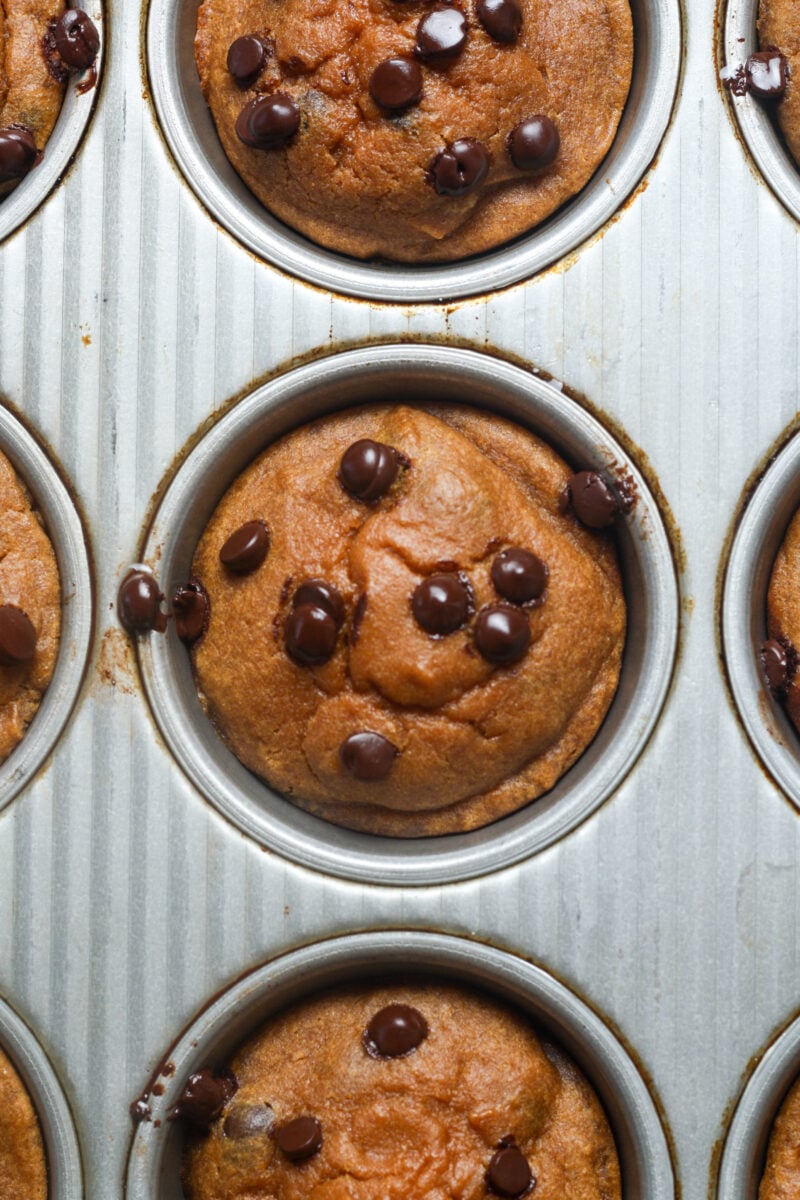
[[128, 318]]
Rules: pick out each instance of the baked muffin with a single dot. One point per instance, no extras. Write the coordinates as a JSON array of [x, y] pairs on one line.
[[399, 623], [30, 609], [413, 131], [781, 1178], [771, 73], [23, 1174], [380, 1093]]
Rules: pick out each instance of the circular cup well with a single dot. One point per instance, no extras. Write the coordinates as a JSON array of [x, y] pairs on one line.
[[154, 1163], [191, 134], [416, 373]]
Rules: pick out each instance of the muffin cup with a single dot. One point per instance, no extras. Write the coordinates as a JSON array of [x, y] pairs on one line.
[[154, 1162], [64, 528], [64, 1173], [416, 372], [192, 137], [62, 145]]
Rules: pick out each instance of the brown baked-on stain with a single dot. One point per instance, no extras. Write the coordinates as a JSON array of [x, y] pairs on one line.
[[23, 1169], [115, 666]]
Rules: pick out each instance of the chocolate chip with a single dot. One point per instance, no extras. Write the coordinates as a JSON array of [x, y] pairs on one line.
[[268, 122], [509, 1173], [310, 635], [368, 756], [502, 634], [534, 143], [502, 19], [300, 1139], [591, 499], [18, 153], [396, 83], [394, 1031], [192, 609], [518, 575], [246, 548], [246, 56], [368, 469], [441, 33], [775, 662], [767, 73], [248, 1121], [139, 603], [17, 636], [442, 603], [204, 1097], [459, 168], [76, 38], [322, 595]]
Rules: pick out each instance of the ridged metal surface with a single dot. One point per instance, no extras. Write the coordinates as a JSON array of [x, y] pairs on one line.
[[129, 319]]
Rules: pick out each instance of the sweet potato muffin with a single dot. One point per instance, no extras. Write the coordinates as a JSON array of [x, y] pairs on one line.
[[781, 1178], [381, 1093], [23, 1174], [399, 622], [779, 29], [413, 131], [30, 609]]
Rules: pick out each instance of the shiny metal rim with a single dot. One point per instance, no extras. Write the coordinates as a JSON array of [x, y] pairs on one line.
[[651, 589], [64, 1172], [66, 534], [189, 130], [154, 1162]]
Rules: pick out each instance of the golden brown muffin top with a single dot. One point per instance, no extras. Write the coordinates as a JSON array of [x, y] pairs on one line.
[[30, 94], [426, 1124], [781, 1178], [356, 176], [23, 1173], [779, 25]]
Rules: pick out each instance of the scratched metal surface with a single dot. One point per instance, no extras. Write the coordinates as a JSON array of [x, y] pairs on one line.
[[128, 319]]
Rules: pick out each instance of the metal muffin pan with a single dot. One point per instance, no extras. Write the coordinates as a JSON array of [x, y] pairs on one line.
[[154, 1163], [415, 373], [64, 1172], [65, 531], [63, 143], [192, 137]]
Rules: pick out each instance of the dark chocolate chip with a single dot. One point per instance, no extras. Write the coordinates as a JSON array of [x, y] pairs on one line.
[[321, 595], [395, 1031], [246, 548], [18, 153], [204, 1097], [310, 635], [368, 469], [268, 122], [396, 83], [776, 665], [518, 575], [509, 1173], [368, 756], [591, 499], [139, 603], [191, 606], [442, 603], [300, 1139], [459, 168], [534, 143], [77, 40], [248, 1121], [767, 73], [502, 634], [17, 636], [502, 19], [441, 33], [246, 56]]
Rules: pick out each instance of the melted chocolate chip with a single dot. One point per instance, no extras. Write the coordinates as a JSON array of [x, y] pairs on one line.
[[518, 575], [767, 73], [204, 1097], [191, 606], [18, 153], [368, 469], [246, 57], [17, 636], [248, 1121], [534, 143], [775, 662], [139, 603], [591, 499], [139, 1108], [459, 168], [76, 38], [442, 603], [322, 595], [395, 1031], [502, 634], [509, 1173], [268, 122], [502, 19], [310, 635], [368, 756], [300, 1139], [441, 33], [246, 548], [396, 83]]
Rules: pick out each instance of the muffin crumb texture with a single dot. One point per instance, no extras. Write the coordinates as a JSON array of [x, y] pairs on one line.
[[779, 27], [781, 1178], [30, 91], [23, 1174]]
